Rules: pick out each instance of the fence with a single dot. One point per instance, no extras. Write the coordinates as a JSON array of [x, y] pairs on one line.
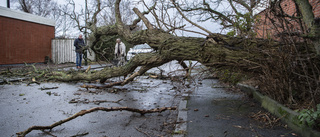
[[63, 51]]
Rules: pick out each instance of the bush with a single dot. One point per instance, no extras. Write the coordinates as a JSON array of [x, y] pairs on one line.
[[311, 117]]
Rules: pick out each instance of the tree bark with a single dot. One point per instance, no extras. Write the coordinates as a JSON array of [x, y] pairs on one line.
[[309, 20], [216, 50]]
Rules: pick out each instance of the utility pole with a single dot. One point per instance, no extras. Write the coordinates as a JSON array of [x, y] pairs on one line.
[[8, 3], [85, 33]]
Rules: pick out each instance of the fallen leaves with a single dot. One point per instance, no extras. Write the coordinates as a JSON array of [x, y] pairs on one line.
[[266, 118]]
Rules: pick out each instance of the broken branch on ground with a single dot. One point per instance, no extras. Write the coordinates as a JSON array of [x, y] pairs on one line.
[[84, 112]]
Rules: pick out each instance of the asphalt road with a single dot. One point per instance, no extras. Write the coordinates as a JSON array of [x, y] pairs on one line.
[[211, 111], [215, 112], [24, 106]]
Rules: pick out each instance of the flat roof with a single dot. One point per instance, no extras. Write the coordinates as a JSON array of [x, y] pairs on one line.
[[10, 13]]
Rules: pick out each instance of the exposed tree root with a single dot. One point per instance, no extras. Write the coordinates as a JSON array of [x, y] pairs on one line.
[[84, 112]]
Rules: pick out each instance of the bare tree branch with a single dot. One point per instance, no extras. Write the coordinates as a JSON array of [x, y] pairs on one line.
[[179, 10], [84, 112], [144, 19]]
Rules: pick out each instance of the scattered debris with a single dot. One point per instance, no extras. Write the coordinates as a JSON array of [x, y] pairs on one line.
[[87, 101], [88, 69], [48, 133], [76, 93], [142, 132], [49, 93], [84, 112], [80, 134], [241, 127], [267, 118], [44, 88], [153, 76], [33, 82]]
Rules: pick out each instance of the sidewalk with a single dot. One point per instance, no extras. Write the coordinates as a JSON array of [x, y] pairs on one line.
[[215, 112]]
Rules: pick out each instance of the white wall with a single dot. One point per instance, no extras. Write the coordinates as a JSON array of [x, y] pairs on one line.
[[63, 51]]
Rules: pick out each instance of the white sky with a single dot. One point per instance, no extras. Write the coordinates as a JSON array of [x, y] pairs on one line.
[[3, 3], [208, 25]]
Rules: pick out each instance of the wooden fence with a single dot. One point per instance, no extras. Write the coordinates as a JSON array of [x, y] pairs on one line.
[[63, 51]]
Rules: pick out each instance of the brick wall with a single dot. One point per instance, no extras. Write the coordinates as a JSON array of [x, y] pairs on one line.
[[266, 29], [23, 41]]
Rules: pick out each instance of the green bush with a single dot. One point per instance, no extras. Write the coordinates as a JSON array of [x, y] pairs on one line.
[[311, 117]]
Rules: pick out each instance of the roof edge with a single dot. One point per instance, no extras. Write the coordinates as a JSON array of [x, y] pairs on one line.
[[10, 13]]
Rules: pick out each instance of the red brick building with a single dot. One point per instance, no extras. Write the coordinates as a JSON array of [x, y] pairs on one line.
[[270, 27], [24, 38]]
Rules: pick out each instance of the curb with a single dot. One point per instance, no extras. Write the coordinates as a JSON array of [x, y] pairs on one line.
[[287, 115], [181, 126]]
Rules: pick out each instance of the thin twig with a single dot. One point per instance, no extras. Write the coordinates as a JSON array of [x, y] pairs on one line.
[[48, 133], [80, 134], [142, 132]]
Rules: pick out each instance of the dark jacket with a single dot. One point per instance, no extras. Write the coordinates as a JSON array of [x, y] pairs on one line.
[[78, 43]]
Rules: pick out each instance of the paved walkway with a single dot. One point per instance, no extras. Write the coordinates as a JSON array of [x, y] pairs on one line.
[[213, 112]]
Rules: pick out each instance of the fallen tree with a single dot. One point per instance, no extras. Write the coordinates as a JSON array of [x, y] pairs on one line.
[[288, 69], [216, 50]]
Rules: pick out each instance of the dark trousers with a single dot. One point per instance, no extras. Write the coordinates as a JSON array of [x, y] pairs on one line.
[[78, 59]]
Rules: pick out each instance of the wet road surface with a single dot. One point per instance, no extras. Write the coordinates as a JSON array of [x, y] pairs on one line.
[[215, 112], [24, 106], [211, 110]]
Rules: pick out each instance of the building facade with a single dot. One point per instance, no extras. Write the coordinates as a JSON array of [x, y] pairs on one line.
[[24, 38], [268, 24]]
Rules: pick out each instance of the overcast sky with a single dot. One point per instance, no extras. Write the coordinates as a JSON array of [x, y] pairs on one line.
[[3, 3], [213, 27]]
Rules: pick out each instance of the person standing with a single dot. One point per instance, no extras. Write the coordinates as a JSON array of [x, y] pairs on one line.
[[79, 44], [120, 52]]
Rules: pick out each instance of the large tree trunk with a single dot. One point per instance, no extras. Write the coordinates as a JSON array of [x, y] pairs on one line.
[[215, 51], [290, 68], [309, 20]]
